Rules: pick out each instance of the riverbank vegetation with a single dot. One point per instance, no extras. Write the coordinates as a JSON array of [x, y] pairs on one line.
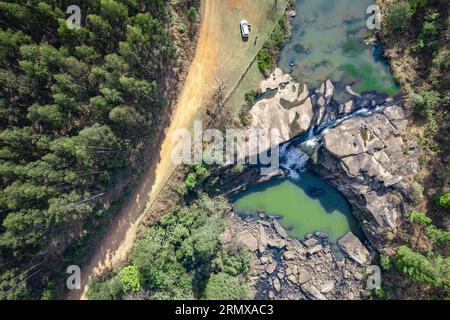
[[415, 34], [181, 258], [76, 106], [268, 55]]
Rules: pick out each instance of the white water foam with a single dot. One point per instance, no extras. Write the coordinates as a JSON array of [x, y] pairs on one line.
[[294, 161]]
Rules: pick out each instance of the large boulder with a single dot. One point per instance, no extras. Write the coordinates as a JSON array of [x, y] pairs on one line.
[[279, 229], [262, 239], [353, 248], [247, 239], [300, 117], [312, 292]]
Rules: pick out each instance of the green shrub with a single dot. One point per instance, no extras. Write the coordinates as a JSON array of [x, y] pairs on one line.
[[233, 261], [416, 4], [276, 40], [130, 278], [244, 117], [417, 267], [419, 218], [49, 292], [425, 101], [250, 98], [192, 14], [443, 201], [438, 236], [175, 259], [428, 40], [385, 262], [191, 181], [237, 169], [225, 287], [105, 289], [196, 176], [380, 294], [416, 192], [265, 61]]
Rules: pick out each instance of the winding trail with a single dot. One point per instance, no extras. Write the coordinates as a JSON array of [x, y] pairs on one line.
[[215, 52]]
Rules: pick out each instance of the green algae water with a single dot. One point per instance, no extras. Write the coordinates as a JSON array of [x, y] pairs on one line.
[[327, 42], [301, 212]]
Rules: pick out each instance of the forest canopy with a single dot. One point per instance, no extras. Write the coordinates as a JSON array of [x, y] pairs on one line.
[[75, 106]]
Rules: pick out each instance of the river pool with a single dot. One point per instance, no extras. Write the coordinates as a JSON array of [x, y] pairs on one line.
[[306, 205]]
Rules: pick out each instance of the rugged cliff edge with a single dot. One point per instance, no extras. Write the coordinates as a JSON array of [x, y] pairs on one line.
[[369, 162]]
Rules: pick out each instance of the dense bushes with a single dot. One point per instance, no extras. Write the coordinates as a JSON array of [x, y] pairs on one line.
[[222, 286], [75, 106], [436, 235], [419, 218], [434, 271], [428, 40], [265, 61], [398, 17], [425, 102], [195, 176], [181, 258], [266, 56], [443, 200]]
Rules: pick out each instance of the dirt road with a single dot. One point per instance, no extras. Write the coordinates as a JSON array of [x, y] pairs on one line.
[[215, 52]]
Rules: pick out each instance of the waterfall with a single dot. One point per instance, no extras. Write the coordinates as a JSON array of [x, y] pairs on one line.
[[294, 161], [296, 153]]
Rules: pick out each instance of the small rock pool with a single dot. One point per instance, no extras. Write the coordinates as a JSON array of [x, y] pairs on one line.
[[305, 205]]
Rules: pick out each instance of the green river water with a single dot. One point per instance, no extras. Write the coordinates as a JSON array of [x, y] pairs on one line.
[[301, 213], [326, 43]]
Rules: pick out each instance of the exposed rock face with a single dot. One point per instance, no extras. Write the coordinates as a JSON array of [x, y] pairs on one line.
[[355, 250], [262, 239], [327, 287], [288, 271], [312, 292], [367, 160], [314, 249], [289, 110]]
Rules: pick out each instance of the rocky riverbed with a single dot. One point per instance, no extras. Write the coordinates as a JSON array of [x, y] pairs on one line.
[[286, 268], [358, 146]]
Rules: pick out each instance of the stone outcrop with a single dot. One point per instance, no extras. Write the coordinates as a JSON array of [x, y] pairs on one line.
[[364, 155], [289, 109], [280, 230], [247, 239], [367, 159]]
